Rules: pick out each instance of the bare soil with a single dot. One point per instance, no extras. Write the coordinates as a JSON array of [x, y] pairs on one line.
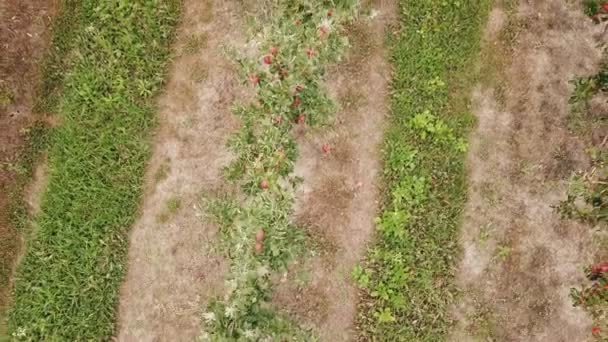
[[172, 268], [520, 259], [338, 199], [24, 38]]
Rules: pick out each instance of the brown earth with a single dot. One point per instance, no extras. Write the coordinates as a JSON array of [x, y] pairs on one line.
[[24, 38], [520, 259], [337, 201], [172, 268]]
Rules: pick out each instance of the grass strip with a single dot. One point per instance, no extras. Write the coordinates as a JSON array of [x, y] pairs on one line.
[[67, 283], [68, 21], [407, 278], [17, 216]]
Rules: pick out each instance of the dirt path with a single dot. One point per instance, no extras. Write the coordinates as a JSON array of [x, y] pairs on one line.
[[24, 38], [338, 199], [520, 260], [172, 269]]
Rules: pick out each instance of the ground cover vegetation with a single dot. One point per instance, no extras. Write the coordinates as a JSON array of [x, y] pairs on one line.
[[407, 279], [37, 137], [18, 214], [106, 63]]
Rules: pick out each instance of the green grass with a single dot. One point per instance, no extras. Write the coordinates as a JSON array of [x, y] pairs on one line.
[[6, 95], [17, 217], [171, 208], [592, 7], [408, 276], [67, 283], [70, 20], [66, 24]]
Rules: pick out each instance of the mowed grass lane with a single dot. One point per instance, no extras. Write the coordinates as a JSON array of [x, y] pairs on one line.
[[408, 277], [67, 283]]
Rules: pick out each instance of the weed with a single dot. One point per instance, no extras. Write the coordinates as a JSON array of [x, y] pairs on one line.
[[6, 95], [362, 276], [163, 171], [581, 118], [482, 323], [592, 7], [484, 233], [67, 283], [352, 100], [171, 208], [195, 43], [302, 278], [584, 89], [70, 20], [502, 253], [587, 197], [407, 278], [199, 72]]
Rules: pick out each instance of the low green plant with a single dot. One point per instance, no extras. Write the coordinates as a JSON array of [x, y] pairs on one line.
[[195, 43], [163, 171], [482, 323], [587, 197], [591, 7], [69, 21], [585, 88], [17, 217], [67, 283], [6, 95], [296, 40], [502, 252], [171, 208], [484, 233], [407, 279]]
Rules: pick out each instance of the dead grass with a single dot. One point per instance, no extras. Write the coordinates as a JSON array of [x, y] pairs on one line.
[[523, 267], [173, 267], [194, 43], [172, 206], [163, 171], [200, 72]]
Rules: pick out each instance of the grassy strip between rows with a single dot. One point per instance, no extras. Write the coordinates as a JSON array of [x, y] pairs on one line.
[[407, 279], [17, 216], [66, 24], [67, 283], [296, 40]]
